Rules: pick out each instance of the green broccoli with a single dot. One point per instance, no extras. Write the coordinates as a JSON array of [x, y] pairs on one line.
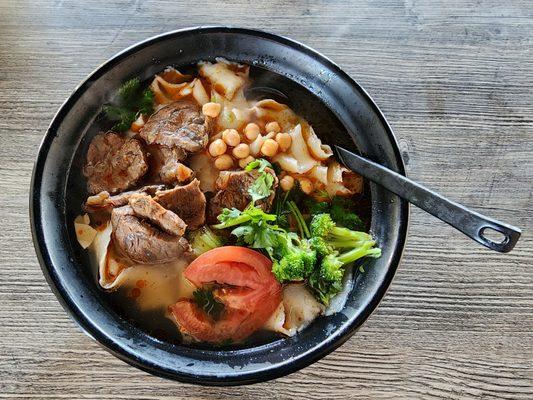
[[340, 208], [337, 246], [316, 207], [322, 225], [204, 239], [320, 246], [341, 211], [326, 280], [296, 258]]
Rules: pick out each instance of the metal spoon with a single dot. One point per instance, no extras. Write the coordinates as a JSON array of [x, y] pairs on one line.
[[467, 221]]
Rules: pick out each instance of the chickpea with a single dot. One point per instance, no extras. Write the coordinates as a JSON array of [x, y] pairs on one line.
[[306, 185], [272, 127], [251, 131], [284, 140], [269, 148], [211, 109], [223, 162], [217, 147], [241, 151], [231, 137], [243, 162], [286, 183]]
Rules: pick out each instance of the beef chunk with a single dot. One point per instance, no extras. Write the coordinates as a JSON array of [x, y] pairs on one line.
[[145, 207], [114, 163], [186, 201], [166, 166], [180, 124], [104, 202], [142, 242], [233, 192]]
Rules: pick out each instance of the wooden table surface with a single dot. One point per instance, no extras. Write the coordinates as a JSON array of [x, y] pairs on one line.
[[455, 80]]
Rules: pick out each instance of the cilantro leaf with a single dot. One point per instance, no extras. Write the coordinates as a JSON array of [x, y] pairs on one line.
[[262, 187], [259, 163], [254, 230], [207, 302], [132, 101]]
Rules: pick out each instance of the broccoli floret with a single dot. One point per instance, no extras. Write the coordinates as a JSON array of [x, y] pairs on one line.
[[322, 225], [289, 268], [326, 280], [320, 246], [342, 213], [364, 249], [316, 207], [337, 246], [204, 239], [296, 258]]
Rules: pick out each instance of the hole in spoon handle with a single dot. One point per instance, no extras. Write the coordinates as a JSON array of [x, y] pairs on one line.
[[505, 244]]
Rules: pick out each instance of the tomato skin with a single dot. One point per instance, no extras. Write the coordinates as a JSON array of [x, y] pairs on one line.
[[249, 291]]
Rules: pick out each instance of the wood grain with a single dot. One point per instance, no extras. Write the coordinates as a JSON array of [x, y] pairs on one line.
[[455, 80]]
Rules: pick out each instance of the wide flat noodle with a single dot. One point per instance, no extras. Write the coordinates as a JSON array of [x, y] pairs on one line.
[[171, 85], [297, 310], [151, 286]]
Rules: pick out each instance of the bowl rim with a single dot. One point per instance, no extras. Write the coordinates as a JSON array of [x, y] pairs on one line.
[[120, 352]]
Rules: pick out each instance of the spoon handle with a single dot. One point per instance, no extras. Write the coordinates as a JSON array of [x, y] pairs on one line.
[[467, 221]]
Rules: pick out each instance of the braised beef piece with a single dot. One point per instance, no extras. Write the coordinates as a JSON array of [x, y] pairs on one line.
[[114, 163], [232, 192], [103, 201], [144, 243], [165, 162], [145, 207], [180, 124], [187, 201]]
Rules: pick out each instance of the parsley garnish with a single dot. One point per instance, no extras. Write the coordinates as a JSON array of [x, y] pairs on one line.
[[207, 302], [132, 101], [262, 187]]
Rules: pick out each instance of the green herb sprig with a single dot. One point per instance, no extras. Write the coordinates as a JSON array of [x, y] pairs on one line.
[[206, 301], [132, 102]]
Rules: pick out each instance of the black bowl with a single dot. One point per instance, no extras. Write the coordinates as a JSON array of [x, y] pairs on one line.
[[320, 91]]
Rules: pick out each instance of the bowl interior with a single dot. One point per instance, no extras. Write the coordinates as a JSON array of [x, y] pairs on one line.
[[318, 90]]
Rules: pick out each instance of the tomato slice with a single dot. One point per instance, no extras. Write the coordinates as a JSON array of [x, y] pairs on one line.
[[232, 254], [241, 274], [249, 291]]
